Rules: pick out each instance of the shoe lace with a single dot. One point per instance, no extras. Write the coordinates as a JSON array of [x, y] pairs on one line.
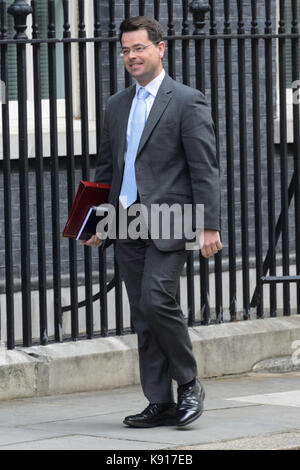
[[185, 393], [150, 409]]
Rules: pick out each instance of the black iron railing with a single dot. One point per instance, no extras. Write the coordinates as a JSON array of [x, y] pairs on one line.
[[233, 51]]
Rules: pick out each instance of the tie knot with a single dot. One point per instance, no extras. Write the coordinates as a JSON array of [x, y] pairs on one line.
[[142, 94]]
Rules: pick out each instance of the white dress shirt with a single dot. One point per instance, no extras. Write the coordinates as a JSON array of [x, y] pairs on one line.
[[152, 88]]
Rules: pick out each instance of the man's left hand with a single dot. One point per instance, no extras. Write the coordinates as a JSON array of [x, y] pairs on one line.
[[210, 243]]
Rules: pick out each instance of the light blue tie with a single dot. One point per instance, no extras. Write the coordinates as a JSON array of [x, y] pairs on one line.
[[128, 194]]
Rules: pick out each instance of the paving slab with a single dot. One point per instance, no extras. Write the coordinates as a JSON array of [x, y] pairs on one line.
[[240, 421], [280, 441], [56, 408], [291, 398], [80, 442], [239, 411], [17, 436]]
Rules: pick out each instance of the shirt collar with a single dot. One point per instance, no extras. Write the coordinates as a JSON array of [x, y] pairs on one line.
[[154, 85]]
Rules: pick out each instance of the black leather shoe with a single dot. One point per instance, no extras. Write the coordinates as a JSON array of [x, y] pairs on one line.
[[156, 414], [190, 403]]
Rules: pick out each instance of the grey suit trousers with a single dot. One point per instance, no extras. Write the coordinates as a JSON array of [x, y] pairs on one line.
[[165, 352]]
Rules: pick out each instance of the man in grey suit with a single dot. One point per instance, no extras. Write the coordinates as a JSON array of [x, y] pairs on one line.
[[158, 147]]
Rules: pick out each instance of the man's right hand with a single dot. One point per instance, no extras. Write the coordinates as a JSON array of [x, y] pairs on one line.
[[95, 240]]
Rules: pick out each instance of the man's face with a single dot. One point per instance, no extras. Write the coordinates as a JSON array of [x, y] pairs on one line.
[[146, 65]]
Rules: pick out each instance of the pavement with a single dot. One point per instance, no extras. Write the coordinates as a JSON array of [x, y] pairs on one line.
[[250, 411]]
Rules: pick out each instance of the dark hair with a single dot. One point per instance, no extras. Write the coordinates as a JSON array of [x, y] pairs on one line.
[[153, 27]]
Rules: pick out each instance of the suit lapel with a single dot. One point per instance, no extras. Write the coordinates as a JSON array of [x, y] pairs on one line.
[[160, 103]]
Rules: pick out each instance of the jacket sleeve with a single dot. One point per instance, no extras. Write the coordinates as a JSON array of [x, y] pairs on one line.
[[198, 138], [104, 164]]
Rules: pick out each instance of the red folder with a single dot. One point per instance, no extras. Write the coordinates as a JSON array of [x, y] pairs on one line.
[[88, 195]]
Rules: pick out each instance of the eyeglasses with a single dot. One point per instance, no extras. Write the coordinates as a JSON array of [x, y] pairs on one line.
[[139, 49]]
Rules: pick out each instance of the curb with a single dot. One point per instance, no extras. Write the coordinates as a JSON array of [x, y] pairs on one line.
[[106, 363]]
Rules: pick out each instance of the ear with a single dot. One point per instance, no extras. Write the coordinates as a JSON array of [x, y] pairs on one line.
[[161, 47]]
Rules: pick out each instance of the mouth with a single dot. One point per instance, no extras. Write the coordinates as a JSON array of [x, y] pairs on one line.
[[135, 66]]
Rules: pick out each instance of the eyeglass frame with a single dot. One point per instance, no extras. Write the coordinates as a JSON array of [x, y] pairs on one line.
[[140, 45]]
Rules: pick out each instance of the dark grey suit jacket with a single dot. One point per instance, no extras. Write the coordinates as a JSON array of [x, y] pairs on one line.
[[176, 160]]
